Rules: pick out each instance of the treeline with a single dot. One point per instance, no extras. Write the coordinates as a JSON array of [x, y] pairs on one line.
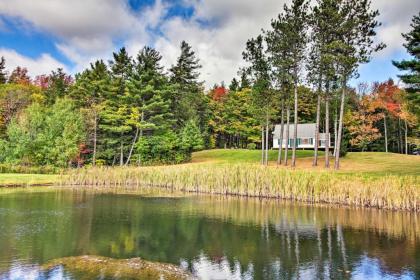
[[126, 111], [132, 111]]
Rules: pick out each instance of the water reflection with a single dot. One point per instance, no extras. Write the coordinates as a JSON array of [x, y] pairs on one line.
[[214, 237]]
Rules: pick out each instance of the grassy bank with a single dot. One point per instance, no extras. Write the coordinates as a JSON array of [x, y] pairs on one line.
[[12, 179], [388, 192]]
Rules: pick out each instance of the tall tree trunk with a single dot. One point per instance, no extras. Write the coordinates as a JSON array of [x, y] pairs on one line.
[[132, 146], [295, 128], [327, 130], [406, 137], [386, 134], [266, 140], [340, 125], [286, 151], [281, 132], [121, 153], [95, 137], [400, 142], [262, 145], [318, 113], [335, 130]]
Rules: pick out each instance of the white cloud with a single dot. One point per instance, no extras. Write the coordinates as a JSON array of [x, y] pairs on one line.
[[396, 17], [88, 29], [36, 66]]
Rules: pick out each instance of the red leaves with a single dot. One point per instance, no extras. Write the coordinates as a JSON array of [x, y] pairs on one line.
[[218, 93]]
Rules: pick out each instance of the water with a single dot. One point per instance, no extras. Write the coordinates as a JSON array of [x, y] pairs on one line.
[[213, 237]]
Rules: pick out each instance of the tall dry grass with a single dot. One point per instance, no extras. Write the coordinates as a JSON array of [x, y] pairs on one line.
[[389, 192]]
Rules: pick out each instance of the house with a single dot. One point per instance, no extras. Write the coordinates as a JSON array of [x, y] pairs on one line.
[[305, 136]]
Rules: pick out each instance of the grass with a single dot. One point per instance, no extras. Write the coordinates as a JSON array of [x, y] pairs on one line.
[[9, 179], [389, 181], [251, 180], [241, 156], [367, 164]]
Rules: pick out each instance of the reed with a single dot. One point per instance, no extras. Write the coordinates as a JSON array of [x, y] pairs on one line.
[[387, 192]]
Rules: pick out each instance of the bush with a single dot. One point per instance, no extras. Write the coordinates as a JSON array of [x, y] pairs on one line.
[[22, 169], [251, 146]]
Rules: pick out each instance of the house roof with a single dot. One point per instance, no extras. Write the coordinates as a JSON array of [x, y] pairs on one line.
[[306, 130]]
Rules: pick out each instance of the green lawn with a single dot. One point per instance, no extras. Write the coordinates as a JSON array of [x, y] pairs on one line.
[[239, 156], [9, 179], [369, 163]]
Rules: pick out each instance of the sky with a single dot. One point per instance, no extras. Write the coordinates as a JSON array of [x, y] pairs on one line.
[[44, 35]]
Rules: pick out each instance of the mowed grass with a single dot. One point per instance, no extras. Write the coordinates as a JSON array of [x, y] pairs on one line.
[[243, 156], [9, 179], [368, 163]]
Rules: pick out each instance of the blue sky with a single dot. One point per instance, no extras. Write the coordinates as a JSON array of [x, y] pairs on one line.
[[44, 35]]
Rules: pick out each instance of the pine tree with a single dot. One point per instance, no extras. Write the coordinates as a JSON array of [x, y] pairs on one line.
[[263, 98], [188, 99], [295, 27], [148, 90], [354, 47], [3, 74], [116, 111], [90, 91], [325, 20], [412, 66]]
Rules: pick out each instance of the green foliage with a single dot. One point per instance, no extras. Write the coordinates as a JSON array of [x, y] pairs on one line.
[[191, 137], [251, 146], [412, 67], [162, 149], [13, 99], [44, 135]]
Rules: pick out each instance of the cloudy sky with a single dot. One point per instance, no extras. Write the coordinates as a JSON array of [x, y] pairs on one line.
[[45, 34]]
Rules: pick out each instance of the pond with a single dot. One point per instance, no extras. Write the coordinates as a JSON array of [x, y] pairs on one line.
[[212, 237]]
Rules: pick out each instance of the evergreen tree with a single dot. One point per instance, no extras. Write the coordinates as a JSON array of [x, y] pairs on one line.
[[187, 100], [263, 98], [3, 74], [295, 35], [412, 66], [355, 46], [90, 91], [234, 85], [148, 89], [115, 115], [325, 21]]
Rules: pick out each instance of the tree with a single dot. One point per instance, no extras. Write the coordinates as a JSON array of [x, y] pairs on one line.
[[147, 92], [19, 76], [3, 74], [191, 137], [361, 123], [13, 99], [355, 46], [296, 20], [45, 135], [412, 76], [187, 99], [56, 85], [262, 98], [116, 110], [324, 21]]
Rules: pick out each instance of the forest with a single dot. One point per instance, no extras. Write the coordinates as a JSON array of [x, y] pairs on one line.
[[131, 110]]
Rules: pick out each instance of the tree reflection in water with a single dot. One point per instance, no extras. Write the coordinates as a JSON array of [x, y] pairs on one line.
[[214, 237]]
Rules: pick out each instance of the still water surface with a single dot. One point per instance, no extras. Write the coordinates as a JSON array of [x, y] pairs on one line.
[[213, 237]]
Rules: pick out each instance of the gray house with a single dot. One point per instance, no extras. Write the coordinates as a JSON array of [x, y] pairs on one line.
[[305, 136]]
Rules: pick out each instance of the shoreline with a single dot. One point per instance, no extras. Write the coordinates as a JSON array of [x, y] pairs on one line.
[[396, 193]]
